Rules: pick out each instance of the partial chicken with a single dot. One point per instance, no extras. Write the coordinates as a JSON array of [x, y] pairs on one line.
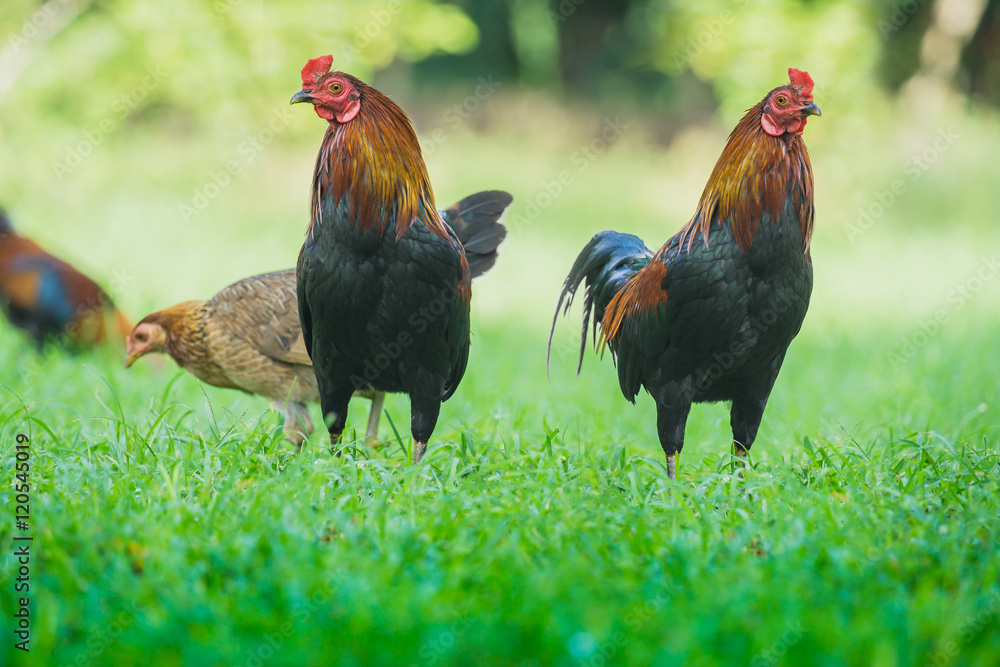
[[710, 315], [384, 283], [50, 299], [248, 335]]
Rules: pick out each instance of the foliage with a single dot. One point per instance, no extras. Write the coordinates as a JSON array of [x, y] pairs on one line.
[[214, 57]]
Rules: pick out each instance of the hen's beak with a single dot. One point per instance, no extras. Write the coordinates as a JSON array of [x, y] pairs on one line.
[[808, 110], [131, 356], [301, 96]]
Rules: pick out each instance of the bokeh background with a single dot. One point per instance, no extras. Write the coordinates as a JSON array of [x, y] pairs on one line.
[[152, 145]]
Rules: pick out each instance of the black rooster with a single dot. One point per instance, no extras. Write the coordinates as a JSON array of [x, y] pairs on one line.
[[383, 281], [710, 315]]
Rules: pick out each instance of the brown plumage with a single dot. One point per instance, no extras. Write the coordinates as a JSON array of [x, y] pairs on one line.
[[742, 191], [380, 150], [50, 299], [246, 337]]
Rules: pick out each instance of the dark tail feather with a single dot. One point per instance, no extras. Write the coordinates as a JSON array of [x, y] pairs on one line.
[[606, 263], [476, 220]]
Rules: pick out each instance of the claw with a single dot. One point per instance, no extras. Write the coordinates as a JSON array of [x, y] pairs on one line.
[[741, 455], [418, 450], [371, 435]]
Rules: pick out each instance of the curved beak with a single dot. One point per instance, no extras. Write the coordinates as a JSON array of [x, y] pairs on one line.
[[301, 96], [811, 110], [132, 352]]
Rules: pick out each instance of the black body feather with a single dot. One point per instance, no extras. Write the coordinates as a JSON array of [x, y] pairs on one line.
[[386, 314], [722, 329]]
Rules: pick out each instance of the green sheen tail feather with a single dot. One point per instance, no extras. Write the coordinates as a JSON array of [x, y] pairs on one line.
[[605, 263]]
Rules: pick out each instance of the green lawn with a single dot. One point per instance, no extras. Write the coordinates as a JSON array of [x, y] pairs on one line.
[[173, 525]]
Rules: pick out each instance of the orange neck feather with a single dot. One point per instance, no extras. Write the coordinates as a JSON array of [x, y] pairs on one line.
[[375, 161], [753, 176], [185, 327]]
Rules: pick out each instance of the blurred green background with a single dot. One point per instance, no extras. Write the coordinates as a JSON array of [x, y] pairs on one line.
[[152, 145]]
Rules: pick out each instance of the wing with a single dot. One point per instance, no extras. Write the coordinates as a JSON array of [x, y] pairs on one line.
[[685, 303], [263, 311], [305, 315], [21, 286], [430, 293], [634, 324], [45, 285]]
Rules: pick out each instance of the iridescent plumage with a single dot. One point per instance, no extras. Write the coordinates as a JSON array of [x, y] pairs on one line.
[[383, 282], [374, 159], [710, 315], [49, 298], [752, 179]]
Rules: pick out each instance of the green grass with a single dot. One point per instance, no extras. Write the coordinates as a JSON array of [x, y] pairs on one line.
[[540, 525], [173, 525]]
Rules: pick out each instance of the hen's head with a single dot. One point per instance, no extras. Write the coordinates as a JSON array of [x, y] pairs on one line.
[[145, 338], [786, 108], [336, 96]]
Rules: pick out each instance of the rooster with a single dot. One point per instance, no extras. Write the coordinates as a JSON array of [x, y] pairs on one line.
[[248, 336], [383, 282], [50, 299], [709, 316]]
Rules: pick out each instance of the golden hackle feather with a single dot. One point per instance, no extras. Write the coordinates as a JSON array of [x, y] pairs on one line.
[[753, 176], [375, 159], [184, 324]]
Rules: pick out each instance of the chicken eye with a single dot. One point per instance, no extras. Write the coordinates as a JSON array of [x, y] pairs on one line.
[[335, 87], [141, 337], [781, 100]]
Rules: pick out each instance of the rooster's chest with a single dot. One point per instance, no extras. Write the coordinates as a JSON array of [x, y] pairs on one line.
[[776, 285], [373, 286]]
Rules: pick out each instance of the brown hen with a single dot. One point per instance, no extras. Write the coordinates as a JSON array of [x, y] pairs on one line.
[[246, 337]]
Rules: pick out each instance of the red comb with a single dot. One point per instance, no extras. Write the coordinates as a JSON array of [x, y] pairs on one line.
[[797, 77], [317, 68]]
